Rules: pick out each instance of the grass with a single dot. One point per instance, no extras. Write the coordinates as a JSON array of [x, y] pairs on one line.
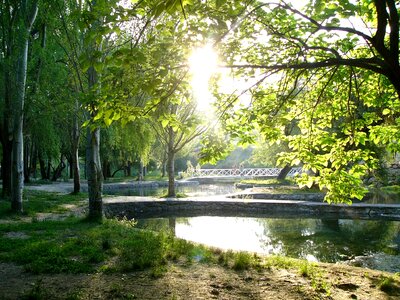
[[80, 246], [269, 182], [178, 195], [41, 202]]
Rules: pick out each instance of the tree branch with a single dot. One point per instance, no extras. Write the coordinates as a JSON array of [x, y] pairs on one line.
[[372, 64], [394, 28]]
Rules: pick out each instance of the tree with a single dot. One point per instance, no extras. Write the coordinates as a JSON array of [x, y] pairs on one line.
[[176, 125], [18, 19], [330, 66]]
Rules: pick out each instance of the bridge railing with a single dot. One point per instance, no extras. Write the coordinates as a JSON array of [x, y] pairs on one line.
[[245, 172]]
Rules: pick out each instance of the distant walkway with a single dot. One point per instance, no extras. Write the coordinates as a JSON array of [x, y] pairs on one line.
[[241, 172], [68, 187]]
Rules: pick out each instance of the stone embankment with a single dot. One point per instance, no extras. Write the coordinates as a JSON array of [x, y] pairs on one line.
[[141, 207]]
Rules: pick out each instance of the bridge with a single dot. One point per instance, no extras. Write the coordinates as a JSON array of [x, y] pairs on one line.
[[240, 172]]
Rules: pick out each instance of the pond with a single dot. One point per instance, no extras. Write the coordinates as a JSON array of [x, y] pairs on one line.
[[366, 243], [372, 244]]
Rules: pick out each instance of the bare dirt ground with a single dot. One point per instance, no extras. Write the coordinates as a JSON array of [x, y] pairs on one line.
[[196, 281]]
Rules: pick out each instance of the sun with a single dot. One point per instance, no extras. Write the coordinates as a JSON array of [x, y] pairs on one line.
[[203, 64]]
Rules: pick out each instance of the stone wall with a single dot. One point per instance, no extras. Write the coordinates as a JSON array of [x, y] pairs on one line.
[[249, 208]]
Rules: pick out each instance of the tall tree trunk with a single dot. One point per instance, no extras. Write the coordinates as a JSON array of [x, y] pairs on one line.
[[93, 162], [94, 173], [26, 16], [283, 173], [171, 163]]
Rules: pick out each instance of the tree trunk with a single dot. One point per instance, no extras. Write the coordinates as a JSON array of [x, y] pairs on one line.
[[26, 16], [283, 173], [42, 165], [6, 168], [33, 160], [93, 161], [164, 169], [140, 175], [94, 173], [128, 168], [58, 171], [75, 152], [171, 164], [27, 155]]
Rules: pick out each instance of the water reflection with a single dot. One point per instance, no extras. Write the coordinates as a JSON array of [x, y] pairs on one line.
[[191, 190], [312, 239]]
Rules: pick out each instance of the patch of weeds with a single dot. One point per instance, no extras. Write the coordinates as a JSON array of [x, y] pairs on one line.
[[280, 262], [389, 285], [37, 292], [158, 271], [178, 196], [269, 182], [75, 295], [306, 269], [144, 251], [242, 261], [311, 271], [117, 292], [224, 258]]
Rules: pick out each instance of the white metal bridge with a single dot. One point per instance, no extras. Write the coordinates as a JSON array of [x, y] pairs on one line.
[[245, 172]]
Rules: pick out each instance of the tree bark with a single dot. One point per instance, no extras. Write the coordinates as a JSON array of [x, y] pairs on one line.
[[75, 152], [171, 163], [6, 168], [27, 155], [94, 173]]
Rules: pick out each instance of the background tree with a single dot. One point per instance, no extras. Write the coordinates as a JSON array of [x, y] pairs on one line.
[[332, 67]]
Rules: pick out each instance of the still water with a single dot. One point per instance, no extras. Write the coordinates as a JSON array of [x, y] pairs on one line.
[[373, 244], [191, 190]]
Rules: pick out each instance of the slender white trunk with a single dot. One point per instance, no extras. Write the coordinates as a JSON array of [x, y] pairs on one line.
[[171, 163], [19, 61]]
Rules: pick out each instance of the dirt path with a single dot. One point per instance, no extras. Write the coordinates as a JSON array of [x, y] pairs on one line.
[[196, 281]]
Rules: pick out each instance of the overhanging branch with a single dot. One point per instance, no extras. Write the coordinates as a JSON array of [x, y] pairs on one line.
[[372, 64]]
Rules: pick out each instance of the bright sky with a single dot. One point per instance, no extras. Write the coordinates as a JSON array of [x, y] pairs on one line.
[[203, 65]]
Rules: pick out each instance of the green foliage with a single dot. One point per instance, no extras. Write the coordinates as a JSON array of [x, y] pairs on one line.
[[214, 148]]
